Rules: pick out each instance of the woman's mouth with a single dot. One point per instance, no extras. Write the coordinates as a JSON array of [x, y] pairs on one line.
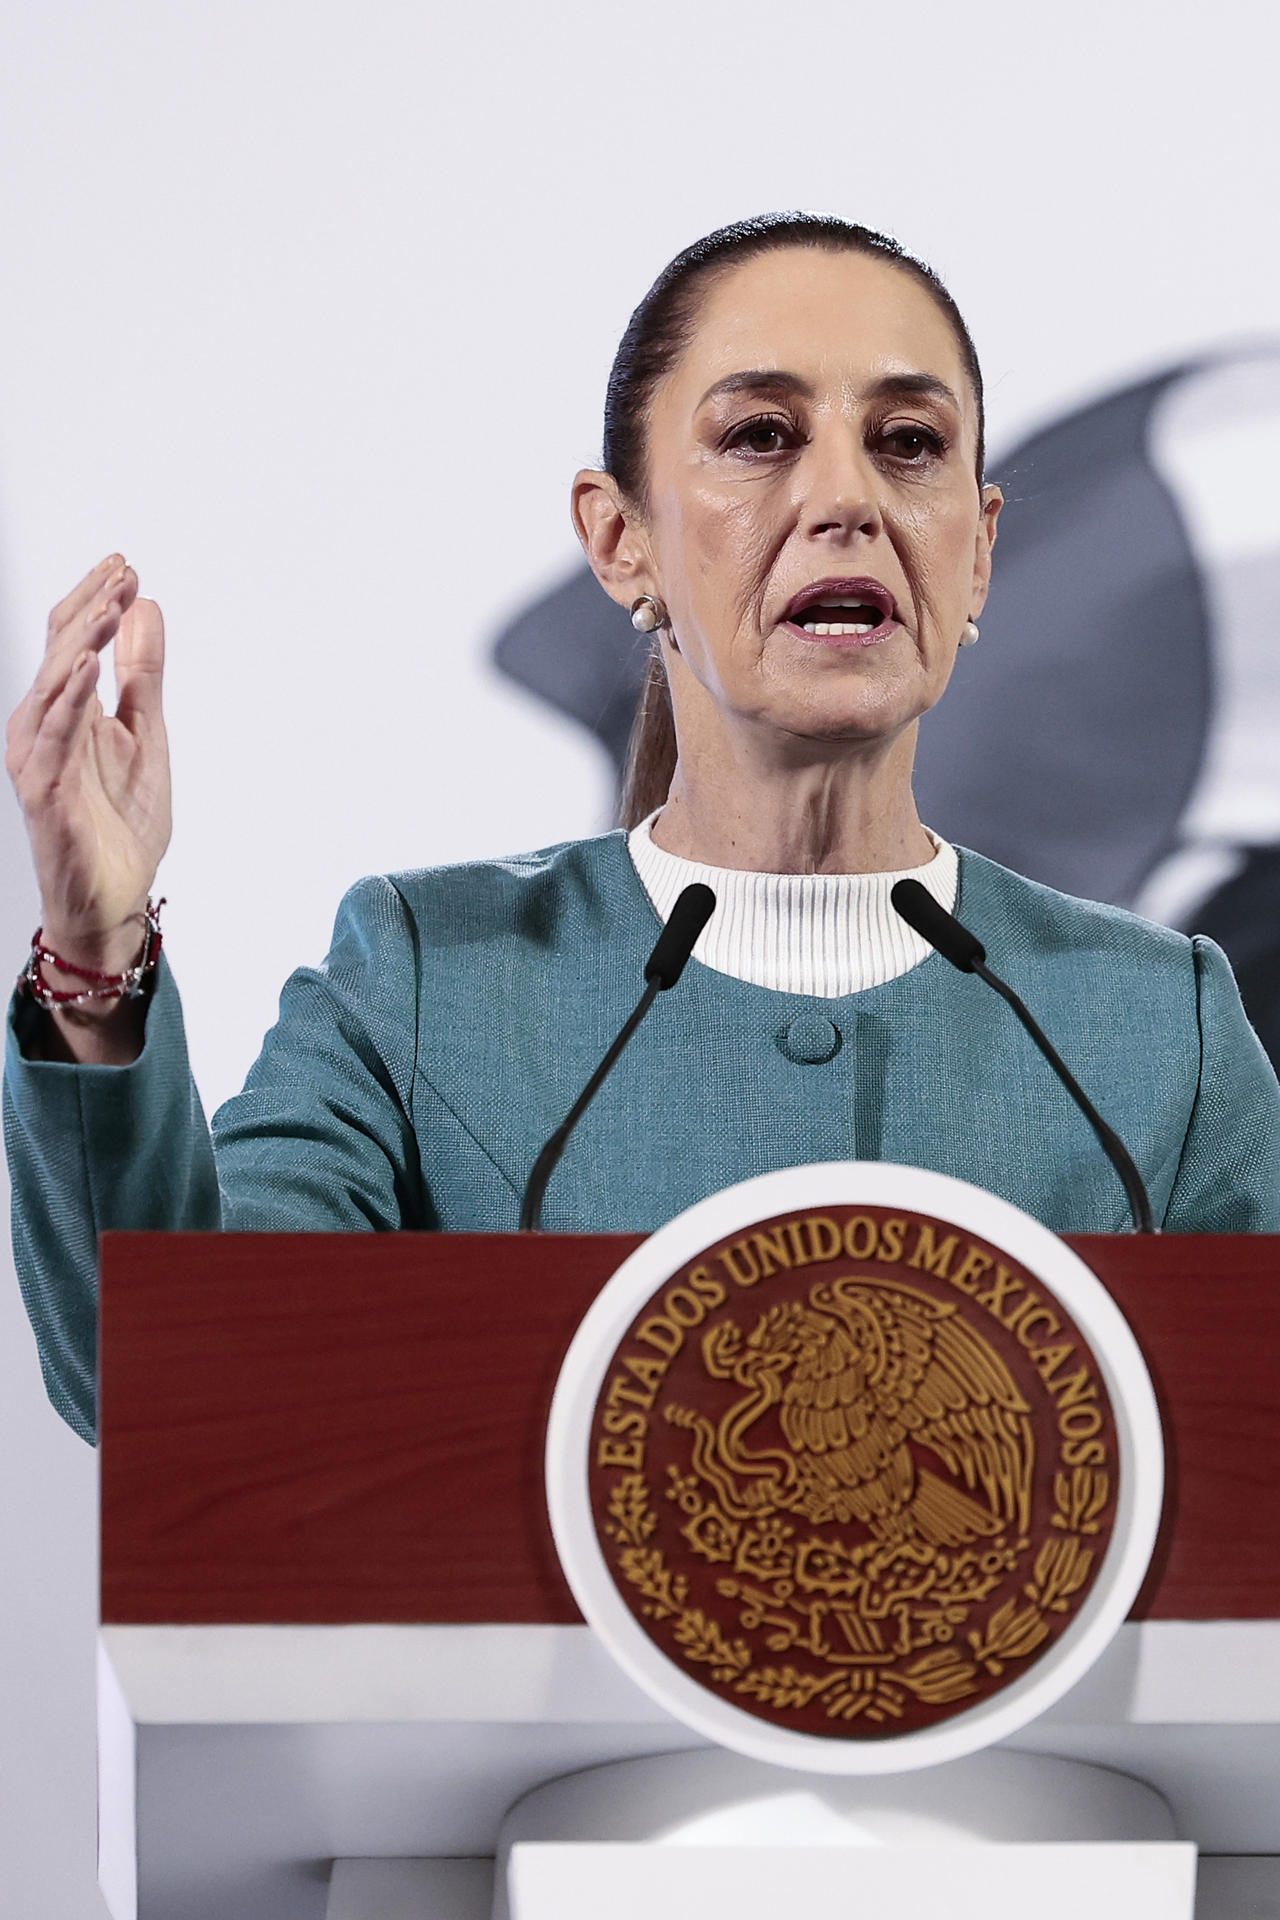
[[848, 613]]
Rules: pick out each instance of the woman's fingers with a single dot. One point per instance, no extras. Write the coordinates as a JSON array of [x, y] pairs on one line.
[[87, 621], [51, 749], [139, 661], [29, 716], [80, 596], [94, 625]]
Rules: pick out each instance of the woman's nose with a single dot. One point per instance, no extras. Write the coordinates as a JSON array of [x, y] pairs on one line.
[[840, 496]]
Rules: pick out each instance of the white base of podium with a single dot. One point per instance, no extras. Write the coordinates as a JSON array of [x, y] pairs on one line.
[[711, 1798], [1117, 1882], [998, 1835]]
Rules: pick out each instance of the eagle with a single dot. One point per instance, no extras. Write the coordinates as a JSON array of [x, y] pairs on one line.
[[863, 1375]]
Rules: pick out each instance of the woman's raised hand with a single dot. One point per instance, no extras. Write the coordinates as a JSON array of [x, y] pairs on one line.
[[94, 786]]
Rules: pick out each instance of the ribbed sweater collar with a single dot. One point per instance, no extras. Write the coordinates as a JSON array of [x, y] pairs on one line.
[[822, 934]]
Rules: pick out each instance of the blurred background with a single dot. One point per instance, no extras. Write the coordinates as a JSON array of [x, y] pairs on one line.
[[308, 310]]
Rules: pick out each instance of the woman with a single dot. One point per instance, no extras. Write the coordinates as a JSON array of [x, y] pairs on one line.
[[792, 502]]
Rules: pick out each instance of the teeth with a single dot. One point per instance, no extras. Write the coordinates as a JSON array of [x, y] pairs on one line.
[[839, 627]]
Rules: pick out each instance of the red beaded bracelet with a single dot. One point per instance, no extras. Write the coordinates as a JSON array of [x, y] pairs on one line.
[[129, 985]]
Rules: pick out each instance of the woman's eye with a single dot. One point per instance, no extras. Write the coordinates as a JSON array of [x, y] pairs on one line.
[[915, 445], [767, 434]]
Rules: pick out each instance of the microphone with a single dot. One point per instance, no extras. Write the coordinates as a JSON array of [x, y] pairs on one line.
[[917, 906], [663, 968]]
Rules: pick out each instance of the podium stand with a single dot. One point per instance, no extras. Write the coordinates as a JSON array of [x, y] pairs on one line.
[[333, 1623]]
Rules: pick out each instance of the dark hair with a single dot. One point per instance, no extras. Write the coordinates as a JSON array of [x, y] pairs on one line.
[[656, 335]]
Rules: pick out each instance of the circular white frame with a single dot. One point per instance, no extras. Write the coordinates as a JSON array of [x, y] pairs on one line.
[[879, 1184]]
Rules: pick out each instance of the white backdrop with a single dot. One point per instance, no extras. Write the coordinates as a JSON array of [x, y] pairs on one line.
[[308, 309]]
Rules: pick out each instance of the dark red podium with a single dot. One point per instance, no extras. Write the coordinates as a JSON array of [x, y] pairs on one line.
[[328, 1576]]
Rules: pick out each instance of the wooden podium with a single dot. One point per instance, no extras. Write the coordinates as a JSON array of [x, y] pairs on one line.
[[333, 1622]]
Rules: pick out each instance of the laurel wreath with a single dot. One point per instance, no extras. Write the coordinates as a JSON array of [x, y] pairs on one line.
[[940, 1677]]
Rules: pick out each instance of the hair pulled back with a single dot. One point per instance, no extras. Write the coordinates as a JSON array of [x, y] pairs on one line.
[[656, 336]]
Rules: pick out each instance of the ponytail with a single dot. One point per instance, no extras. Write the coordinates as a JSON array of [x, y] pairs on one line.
[[651, 750]]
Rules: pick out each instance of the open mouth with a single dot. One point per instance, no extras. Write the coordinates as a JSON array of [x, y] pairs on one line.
[[842, 610], [839, 616]]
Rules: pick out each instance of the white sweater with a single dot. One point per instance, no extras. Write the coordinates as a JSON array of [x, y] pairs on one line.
[[823, 934]]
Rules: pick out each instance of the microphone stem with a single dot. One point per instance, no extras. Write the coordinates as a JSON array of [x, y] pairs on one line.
[[545, 1164], [1110, 1142]]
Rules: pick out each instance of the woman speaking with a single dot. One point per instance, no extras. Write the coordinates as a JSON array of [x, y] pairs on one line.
[[791, 502]]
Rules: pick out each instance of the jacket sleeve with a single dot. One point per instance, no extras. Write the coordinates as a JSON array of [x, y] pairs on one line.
[[321, 1139], [1228, 1179]]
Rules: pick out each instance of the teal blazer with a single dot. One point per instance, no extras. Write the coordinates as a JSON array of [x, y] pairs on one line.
[[412, 1078]]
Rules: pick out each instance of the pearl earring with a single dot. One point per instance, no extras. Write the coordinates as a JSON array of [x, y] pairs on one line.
[[648, 614], [969, 637]]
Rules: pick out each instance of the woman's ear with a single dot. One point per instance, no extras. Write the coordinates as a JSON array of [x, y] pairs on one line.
[[612, 537], [992, 501]]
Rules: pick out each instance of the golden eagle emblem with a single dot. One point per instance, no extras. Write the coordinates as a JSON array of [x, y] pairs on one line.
[[861, 1374]]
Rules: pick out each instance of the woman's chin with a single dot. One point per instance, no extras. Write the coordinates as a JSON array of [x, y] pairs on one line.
[[827, 724], [834, 708]]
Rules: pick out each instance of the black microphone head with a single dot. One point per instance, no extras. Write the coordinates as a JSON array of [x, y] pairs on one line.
[[688, 917], [917, 906]]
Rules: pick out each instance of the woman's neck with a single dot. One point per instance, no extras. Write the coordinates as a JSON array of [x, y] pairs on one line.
[[850, 811]]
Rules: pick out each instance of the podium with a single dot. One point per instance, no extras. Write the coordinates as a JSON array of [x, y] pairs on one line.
[[334, 1628]]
